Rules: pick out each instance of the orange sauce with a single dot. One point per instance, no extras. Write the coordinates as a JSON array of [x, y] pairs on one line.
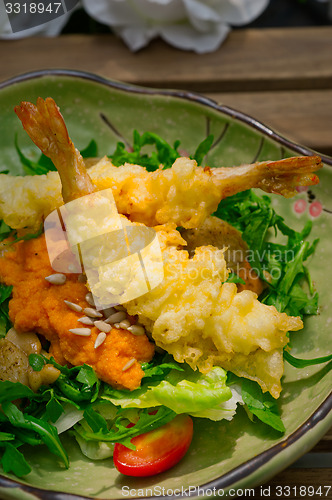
[[39, 306]]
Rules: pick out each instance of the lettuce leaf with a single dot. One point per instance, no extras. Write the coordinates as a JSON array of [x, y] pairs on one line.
[[184, 391]]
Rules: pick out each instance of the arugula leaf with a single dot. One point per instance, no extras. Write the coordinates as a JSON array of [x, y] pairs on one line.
[[5, 323], [302, 363], [96, 421], [203, 148], [9, 391], [6, 436], [234, 278], [164, 155], [120, 433], [46, 431], [33, 167], [262, 405], [14, 461], [158, 368], [36, 362], [44, 164], [91, 150], [5, 230], [280, 265], [53, 408]]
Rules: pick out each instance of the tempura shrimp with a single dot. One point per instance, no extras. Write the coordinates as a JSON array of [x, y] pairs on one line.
[[184, 194], [279, 177], [45, 126]]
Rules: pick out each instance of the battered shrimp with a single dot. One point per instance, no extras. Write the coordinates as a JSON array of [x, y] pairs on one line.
[[45, 126], [279, 177]]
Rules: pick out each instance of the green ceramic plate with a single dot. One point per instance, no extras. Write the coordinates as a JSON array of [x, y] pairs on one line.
[[223, 455]]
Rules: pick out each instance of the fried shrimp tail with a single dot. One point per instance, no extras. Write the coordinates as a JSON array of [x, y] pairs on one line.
[[279, 177], [46, 127]]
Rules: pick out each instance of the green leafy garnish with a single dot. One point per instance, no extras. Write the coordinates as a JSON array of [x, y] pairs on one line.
[[44, 164], [262, 405], [280, 265], [45, 431], [13, 461], [302, 363], [164, 155], [120, 432], [36, 362], [203, 148], [91, 151], [234, 278], [39, 167], [5, 323]]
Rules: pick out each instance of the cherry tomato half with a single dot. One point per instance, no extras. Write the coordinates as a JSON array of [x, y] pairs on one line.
[[157, 450]]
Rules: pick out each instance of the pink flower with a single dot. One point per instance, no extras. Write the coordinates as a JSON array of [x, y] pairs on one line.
[[300, 206], [315, 209]]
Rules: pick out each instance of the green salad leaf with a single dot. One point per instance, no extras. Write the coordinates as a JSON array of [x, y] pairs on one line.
[[257, 403], [13, 461], [120, 431], [280, 265], [302, 363], [181, 389], [5, 323], [164, 154], [44, 164]]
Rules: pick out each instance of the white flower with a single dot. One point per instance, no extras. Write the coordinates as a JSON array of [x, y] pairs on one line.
[[199, 25]]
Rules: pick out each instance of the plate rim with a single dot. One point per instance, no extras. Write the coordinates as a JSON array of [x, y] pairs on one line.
[[181, 94], [321, 414]]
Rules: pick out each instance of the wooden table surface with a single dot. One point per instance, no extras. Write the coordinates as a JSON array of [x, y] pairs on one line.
[[282, 77]]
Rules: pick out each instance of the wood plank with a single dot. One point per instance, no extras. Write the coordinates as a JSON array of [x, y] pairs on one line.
[[325, 444], [252, 59], [303, 116], [287, 484]]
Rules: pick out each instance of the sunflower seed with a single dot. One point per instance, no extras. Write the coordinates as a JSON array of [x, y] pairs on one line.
[[136, 329], [108, 312], [128, 364], [74, 307], [116, 317], [92, 313], [83, 332], [102, 326], [124, 324], [100, 339], [86, 320], [89, 299], [56, 279]]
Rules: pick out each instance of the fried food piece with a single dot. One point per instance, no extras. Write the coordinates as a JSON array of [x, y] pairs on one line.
[[184, 194], [198, 318], [45, 126], [220, 234]]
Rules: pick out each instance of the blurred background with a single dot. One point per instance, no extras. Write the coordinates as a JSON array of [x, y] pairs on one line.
[[278, 13]]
